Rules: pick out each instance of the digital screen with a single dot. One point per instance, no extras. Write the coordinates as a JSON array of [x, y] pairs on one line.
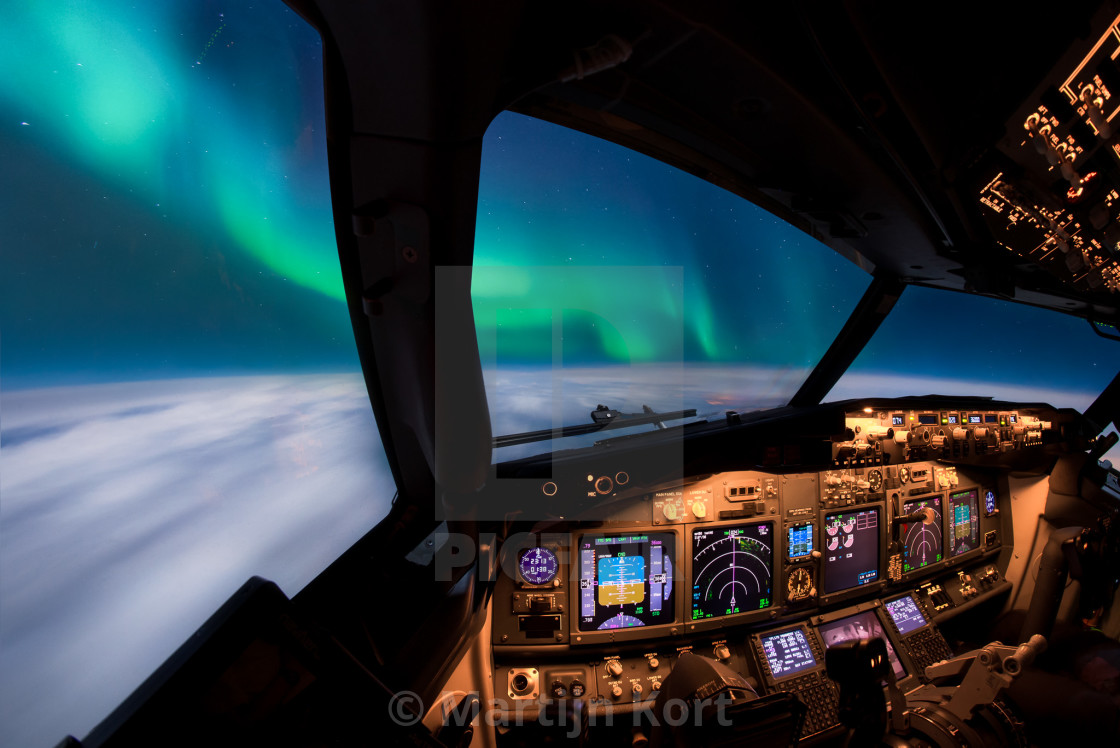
[[898, 419], [990, 503], [625, 580], [991, 418], [928, 419], [851, 549], [538, 565], [787, 652], [864, 625], [800, 541], [732, 569], [964, 522], [974, 418], [954, 419], [905, 614], [923, 542]]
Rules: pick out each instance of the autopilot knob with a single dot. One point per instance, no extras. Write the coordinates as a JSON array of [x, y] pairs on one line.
[[722, 652], [614, 667]]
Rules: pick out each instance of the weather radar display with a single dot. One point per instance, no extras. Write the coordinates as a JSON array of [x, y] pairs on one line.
[[923, 544], [625, 580], [732, 570]]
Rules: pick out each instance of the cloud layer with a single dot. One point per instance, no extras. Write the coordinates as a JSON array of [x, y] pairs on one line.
[[131, 511]]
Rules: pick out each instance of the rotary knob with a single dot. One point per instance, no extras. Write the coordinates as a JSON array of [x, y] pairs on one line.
[[722, 653], [636, 688], [614, 667], [699, 511], [670, 511], [654, 663], [616, 691]]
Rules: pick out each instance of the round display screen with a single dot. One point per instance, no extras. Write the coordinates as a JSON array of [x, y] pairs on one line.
[[538, 566]]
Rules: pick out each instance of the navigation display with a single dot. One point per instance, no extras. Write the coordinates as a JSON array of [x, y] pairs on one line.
[[787, 652], [964, 522], [625, 580], [732, 569], [905, 614], [851, 549], [864, 625], [923, 544]]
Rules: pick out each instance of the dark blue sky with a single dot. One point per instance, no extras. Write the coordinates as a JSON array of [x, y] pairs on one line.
[[168, 215]]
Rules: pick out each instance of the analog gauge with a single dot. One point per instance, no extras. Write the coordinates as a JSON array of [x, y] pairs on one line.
[[904, 474], [875, 480], [800, 583], [538, 566]]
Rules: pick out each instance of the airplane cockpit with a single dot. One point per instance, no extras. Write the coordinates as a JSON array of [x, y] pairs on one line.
[[718, 486]]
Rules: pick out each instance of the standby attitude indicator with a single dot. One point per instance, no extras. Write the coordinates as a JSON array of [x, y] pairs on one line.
[[538, 566]]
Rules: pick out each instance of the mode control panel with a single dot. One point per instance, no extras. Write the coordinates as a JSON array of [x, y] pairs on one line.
[[890, 435]]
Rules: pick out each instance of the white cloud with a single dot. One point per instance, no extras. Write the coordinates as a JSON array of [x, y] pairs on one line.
[[131, 511]]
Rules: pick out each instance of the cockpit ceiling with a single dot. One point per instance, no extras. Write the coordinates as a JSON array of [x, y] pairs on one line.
[[855, 125]]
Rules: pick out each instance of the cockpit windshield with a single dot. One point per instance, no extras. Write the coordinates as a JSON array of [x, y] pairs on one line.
[[603, 276], [945, 343]]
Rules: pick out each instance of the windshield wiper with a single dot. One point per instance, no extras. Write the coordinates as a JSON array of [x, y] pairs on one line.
[[602, 418]]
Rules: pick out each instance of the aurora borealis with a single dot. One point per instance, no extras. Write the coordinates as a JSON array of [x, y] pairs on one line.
[[736, 283], [169, 209]]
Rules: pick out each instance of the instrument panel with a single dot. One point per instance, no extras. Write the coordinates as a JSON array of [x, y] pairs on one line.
[[805, 545], [896, 532]]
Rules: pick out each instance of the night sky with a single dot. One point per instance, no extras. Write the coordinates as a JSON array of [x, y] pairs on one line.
[[169, 215], [166, 209]]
